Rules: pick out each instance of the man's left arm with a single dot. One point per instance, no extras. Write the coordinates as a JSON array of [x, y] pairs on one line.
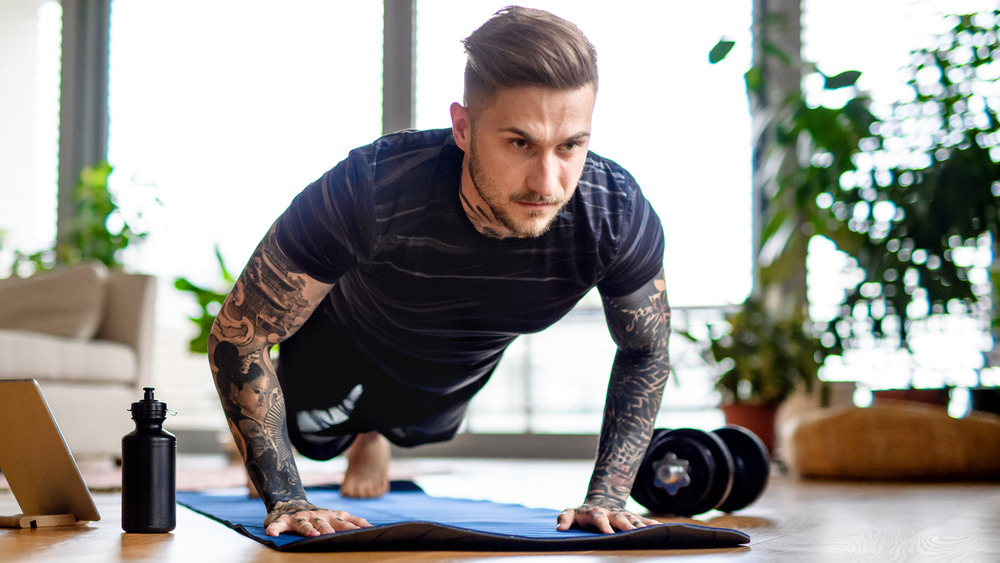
[[640, 326]]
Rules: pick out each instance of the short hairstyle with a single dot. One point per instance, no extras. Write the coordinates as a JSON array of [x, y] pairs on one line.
[[526, 47]]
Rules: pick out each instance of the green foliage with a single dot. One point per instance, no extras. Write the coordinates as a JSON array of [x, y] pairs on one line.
[[922, 216], [720, 51], [842, 80], [763, 358], [767, 352], [88, 234], [822, 144], [209, 303], [909, 196]]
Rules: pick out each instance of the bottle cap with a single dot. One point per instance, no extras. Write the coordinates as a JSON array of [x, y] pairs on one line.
[[148, 407]]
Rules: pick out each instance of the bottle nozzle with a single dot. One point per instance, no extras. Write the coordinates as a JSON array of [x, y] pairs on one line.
[[148, 407]]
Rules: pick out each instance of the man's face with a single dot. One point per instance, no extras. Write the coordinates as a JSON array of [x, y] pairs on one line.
[[524, 155]]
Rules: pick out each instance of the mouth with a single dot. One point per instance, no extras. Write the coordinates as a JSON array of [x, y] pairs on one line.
[[537, 202], [535, 205]]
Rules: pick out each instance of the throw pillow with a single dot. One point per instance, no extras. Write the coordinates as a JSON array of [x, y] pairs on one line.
[[66, 302]]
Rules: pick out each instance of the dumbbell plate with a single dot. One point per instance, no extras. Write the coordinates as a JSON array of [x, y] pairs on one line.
[[751, 467], [710, 469], [644, 489]]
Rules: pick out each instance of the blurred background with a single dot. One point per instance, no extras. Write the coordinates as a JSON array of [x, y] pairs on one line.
[[825, 172]]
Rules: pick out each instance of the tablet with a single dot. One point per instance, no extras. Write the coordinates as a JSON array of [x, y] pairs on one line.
[[35, 459]]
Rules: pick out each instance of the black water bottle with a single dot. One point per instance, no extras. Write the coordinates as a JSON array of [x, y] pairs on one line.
[[149, 470]]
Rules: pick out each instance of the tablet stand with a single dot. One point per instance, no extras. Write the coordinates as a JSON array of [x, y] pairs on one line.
[[38, 520]]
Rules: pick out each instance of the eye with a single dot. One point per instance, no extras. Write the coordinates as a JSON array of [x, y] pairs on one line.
[[519, 143]]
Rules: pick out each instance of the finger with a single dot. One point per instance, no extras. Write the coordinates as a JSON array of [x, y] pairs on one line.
[[276, 528], [303, 527], [640, 521], [357, 521], [626, 521], [565, 520], [340, 524], [601, 522], [650, 521], [276, 524], [323, 527]]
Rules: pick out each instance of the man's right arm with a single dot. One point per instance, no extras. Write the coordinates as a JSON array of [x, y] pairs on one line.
[[270, 301]]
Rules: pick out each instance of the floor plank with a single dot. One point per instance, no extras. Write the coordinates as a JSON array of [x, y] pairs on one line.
[[793, 521]]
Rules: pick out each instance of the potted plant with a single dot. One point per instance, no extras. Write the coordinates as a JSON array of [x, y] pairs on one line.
[[209, 301], [97, 229], [762, 359]]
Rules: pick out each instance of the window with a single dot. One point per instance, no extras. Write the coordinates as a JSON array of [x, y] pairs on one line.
[[224, 110], [947, 350], [682, 127], [228, 109], [29, 112]]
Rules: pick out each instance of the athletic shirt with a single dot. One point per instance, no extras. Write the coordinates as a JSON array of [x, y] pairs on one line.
[[430, 301]]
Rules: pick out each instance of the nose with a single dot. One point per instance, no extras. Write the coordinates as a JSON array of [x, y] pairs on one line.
[[544, 176]]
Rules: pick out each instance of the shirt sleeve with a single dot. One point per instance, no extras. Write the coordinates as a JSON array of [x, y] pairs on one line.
[[640, 251], [327, 229]]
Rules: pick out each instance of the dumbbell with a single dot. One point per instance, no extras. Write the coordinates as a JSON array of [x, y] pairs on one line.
[[687, 471]]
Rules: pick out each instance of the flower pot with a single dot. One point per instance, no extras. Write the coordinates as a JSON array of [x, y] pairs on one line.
[[986, 399], [758, 419]]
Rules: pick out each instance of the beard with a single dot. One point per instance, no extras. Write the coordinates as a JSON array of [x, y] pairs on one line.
[[492, 196]]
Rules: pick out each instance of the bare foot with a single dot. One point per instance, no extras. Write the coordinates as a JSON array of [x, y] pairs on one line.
[[367, 474]]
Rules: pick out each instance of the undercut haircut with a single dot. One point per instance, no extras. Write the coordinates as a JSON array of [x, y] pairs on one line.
[[526, 47]]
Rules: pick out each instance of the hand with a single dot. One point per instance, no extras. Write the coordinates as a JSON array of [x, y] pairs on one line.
[[305, 519], [606, 520]]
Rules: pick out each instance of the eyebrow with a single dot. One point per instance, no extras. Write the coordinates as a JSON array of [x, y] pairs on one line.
[[532, 139]]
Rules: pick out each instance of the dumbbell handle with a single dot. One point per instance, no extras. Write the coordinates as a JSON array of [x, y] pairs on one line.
[[671, 472]]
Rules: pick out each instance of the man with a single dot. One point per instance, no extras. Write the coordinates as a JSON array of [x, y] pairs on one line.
[[395, 282]]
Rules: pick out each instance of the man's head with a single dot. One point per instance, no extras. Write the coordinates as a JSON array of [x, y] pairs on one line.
[[526, 47], [531, 80]]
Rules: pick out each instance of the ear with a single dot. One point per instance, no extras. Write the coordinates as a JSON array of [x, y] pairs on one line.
[[461, 127]]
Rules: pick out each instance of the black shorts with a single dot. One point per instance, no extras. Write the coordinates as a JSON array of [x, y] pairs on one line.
[[333, 393]]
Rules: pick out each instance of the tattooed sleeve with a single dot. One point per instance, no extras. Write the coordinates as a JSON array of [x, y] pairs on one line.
[[640, 326], [271, 299]]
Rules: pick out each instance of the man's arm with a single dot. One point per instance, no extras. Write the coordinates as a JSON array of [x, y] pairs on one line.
[[640, 326], [271, 299]]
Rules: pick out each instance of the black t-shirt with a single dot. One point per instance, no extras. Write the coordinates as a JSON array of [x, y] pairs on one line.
[[425, 297]]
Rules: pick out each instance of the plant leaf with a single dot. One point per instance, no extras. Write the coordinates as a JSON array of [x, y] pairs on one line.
[[842, 80], [721, 49]]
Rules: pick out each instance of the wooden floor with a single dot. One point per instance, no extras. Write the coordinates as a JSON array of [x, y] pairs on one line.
[[793, 521]]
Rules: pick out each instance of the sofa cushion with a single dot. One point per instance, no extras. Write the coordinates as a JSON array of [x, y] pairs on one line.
[[64, 302], [52, 358]]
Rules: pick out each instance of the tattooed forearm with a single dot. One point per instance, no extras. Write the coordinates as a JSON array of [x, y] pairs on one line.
[[271, 299], [269, 302], [640, 326]]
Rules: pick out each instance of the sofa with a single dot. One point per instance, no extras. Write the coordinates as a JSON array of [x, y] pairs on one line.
[[85, 333]]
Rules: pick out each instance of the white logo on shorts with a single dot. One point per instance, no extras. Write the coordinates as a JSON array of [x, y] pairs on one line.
[[318, 420]]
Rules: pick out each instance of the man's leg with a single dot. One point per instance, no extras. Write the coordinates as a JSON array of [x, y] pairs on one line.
[[367, 474], [323, 384], [368, 457]]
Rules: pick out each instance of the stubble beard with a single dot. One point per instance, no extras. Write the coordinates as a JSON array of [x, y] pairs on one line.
[[490, 194]]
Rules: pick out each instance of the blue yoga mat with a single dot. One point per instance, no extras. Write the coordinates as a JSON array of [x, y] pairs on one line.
[[409, 519]]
